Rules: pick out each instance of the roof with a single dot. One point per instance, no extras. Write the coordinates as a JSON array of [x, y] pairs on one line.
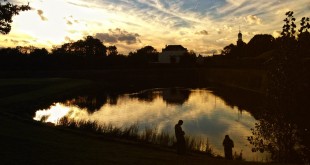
[[174, 48]]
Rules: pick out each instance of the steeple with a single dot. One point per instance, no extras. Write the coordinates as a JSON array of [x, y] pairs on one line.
[[239, 35], [239, 41]]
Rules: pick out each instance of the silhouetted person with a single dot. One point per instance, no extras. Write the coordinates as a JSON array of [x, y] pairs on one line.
[[179, 134], [228, 145]]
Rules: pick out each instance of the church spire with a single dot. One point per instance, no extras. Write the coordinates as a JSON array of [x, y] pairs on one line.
[[239, 35], [239, 41]]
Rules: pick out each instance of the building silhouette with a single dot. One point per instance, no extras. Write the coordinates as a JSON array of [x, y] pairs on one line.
[[172, 54]]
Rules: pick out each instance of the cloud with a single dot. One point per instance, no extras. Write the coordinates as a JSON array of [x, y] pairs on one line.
[[224, 29], [182, 33], [70, 20], [159, 22], [236, 2], [252, 19], [68, 39], [40, 13], [202, 32], [17, 42], [276, 33], [118, 35]]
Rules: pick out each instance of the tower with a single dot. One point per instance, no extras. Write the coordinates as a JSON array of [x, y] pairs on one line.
[[239, 36], [239, 41]]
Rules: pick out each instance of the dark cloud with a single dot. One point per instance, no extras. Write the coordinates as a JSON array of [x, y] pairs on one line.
[[70, 20], [41, 14], [202, 32], [17, 42], [106, 37], [118, 35]]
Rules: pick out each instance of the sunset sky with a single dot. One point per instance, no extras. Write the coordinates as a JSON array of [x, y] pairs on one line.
[[205, 26]]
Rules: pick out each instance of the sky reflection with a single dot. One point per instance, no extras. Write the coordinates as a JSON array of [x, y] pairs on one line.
[[204, 114]]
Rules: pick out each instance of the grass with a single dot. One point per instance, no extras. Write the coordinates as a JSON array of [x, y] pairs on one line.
[[148, 135]]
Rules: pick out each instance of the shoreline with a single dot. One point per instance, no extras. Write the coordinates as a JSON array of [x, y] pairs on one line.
[[40, 130]]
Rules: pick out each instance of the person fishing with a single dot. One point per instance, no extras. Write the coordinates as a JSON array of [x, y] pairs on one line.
[[179, 134], [228, 145]]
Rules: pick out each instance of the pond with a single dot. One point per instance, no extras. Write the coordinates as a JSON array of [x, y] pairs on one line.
[[205, 114]]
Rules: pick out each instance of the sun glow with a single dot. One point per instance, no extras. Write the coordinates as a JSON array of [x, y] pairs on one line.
[[58, 111], [49, 23], [53, 114]]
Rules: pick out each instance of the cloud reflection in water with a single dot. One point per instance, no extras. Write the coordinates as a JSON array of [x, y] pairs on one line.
[[204, 114]]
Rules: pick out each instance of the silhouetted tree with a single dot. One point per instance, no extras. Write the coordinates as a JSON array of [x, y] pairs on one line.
[[304, 37], [39, 52], [89, 47], [7, 11], [288, 40], [305, 25], [229, 50], [289, 26], [32, 51], [281, 130], [188, 58], [144, 55], [259, 44], [64, 49], [26, 50], [9, 52], [112, 51]]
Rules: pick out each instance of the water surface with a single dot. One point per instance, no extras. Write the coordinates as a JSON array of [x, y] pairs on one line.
[[205, 115]]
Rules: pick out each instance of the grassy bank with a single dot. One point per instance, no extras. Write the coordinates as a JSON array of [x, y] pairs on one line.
[[134, 133]]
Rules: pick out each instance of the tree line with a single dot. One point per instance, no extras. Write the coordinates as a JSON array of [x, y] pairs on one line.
[[90, 53], [262, 50], [87, 53]]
